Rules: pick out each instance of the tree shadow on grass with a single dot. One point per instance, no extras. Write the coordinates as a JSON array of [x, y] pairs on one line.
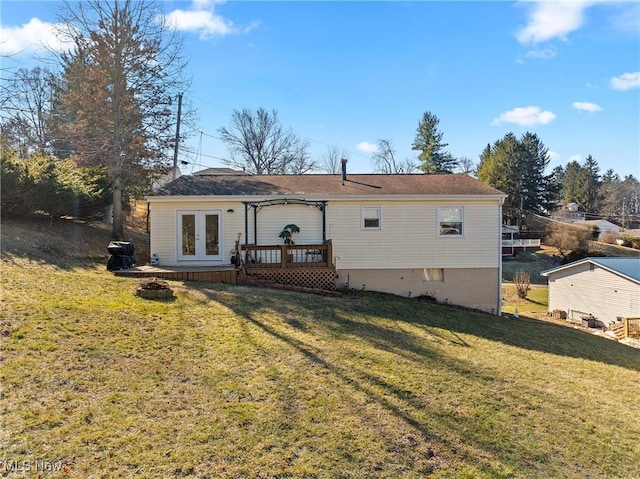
[[380, 327], [532, 301], [452, 322], [533, 334], [402, 402]]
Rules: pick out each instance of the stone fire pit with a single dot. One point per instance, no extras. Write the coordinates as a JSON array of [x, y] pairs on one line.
[[154, 288]]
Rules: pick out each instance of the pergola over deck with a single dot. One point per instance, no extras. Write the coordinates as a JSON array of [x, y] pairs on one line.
[[258, 205]]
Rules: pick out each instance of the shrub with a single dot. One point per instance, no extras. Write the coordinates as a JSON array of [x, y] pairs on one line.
[[15, 185], [631, 242], [608, 237], [50, 185], [568, 238], [522, 281]]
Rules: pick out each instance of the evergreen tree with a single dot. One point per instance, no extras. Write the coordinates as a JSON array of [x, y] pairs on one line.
[[610, 194], [581, 185], [428, 141], [535, 185], [575, 184], [556, 182], [592, 184], [517, 167]]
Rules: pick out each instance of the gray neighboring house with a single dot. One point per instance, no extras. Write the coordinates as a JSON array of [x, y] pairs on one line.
[[607, 288]]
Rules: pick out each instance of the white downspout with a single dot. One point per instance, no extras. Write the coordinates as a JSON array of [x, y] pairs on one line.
[[499, 305]]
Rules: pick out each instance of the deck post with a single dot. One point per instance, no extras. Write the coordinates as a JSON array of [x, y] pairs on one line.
[[255, 226], [324, 221], [246, 223]]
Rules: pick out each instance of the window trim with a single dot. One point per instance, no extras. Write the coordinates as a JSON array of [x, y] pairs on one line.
[[439, 222], [363, 218]]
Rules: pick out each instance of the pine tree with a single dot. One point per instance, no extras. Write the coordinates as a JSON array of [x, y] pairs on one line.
[[592, 180], [428, 141], [517, 168]]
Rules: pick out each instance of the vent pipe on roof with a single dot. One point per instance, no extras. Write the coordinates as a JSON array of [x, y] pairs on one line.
[[344, 170]]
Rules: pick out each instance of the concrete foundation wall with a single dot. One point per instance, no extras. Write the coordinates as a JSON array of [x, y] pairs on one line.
[[477, 288]]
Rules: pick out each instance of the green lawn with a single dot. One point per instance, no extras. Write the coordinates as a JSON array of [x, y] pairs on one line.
[[236, 382], [533, 263], [536, 301]]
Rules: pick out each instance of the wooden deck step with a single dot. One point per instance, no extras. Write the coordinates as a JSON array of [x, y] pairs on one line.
[[224, 274], [618, 329]]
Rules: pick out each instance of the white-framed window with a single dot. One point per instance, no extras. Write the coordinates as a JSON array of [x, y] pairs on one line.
[[451, 221], [371, 217]]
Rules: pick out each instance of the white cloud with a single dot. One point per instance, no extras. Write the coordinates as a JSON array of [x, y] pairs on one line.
[[553, 156], [525, 116], [577, 158], [35, 35], [586, 106], [542, 54], [626, 17], [626, 81], [549, 20], [201, 18], [367, 147]]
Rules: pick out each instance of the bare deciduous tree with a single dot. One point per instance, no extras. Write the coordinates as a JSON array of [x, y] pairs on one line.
[[466, 165], [258, 144], [384, 160], [121, 77], [331, 162], [26, 110]]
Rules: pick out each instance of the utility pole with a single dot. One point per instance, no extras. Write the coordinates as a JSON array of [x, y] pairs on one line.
[[177, 141]]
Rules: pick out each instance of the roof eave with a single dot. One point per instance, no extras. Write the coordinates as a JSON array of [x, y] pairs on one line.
[[317, 196]]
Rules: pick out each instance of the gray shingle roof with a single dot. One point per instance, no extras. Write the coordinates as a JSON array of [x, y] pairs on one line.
[[326, 185], [627, 267]]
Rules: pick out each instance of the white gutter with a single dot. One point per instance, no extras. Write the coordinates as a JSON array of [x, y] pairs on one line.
[[316, 197]]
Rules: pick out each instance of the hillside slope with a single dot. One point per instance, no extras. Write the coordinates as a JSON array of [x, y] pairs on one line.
[[236, 382], [64, 242]]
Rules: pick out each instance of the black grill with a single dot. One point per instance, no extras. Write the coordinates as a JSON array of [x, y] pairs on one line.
[[121, 255]]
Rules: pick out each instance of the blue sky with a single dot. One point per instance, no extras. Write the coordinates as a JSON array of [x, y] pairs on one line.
[[348, 74]]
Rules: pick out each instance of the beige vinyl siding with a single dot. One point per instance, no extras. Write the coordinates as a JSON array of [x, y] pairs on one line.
[[163, 222], [408, 237], [588, 288], [272, 219]]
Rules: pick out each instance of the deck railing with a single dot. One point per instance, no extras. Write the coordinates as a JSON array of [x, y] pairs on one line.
[[632, 327], [288, 256], [519, 243]]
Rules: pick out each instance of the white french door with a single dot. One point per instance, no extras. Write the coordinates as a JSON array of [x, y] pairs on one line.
[[199, 235]]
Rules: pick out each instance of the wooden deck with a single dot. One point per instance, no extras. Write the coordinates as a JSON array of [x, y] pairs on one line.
[[288, 256], [305, 266], [217, 274]]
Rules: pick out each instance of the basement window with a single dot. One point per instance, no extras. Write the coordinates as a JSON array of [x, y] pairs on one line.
[[433, 274]]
